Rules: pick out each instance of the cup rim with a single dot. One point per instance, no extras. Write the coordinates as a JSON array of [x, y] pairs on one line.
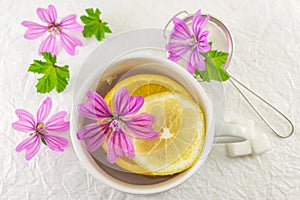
[[107, 51], [89, 163]]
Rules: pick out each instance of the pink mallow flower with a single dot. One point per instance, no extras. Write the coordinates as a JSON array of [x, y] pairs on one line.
[[117, 126], [41, 130], [185, 43], [56, 31]]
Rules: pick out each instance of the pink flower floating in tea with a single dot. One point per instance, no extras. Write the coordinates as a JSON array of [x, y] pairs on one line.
[[55, 29], [41, 130], [115, 125], [190, 44]]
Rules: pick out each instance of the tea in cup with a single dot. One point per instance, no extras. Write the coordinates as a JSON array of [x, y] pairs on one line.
[[184, 122]]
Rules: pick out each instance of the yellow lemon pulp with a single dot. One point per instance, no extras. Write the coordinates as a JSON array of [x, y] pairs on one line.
[[179, 122], [181, 128], [145, 85]]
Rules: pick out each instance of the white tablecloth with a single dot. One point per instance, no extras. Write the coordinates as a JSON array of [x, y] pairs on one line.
[[266, 52]]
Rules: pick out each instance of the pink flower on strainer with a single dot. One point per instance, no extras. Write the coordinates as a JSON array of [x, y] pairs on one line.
[[117, 125], [41, 131], [184, 42], [55, 30]]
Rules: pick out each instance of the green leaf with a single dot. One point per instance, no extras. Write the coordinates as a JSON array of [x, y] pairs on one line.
[[218, 57], [49, 58], [62, 74], [53, 76], [37, 67], [214, 61], [94, 26]]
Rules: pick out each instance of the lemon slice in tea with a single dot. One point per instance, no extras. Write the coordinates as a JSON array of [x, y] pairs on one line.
[[181, 128], [145, 85], [142, 85]]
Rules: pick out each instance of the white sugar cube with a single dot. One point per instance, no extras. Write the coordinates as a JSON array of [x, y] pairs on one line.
[[260, 143], [239, 149]]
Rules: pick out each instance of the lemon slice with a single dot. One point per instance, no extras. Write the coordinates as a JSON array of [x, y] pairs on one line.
[[145, 85], [149, 84], [180, 124]]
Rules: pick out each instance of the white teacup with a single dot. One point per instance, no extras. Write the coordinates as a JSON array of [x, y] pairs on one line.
[[134, 183]]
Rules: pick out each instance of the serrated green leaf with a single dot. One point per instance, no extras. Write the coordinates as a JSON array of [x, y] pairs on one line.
[[97, 13], [218, 57], [86, 20], [49, 58], [54, 77], [94, 26], [45, 84], [62, 74], [90, 11], [37, 67], [107, 29], [213, 71], [86, 33]]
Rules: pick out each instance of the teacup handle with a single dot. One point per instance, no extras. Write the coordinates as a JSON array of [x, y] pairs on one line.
[[232, 133]]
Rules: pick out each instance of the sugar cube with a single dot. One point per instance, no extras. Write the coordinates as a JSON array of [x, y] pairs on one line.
[[239, 149], [259, 142]]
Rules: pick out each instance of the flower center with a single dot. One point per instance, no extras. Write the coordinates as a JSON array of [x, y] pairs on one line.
[[39, 128], [54, 28], [193, 42], [115, 124]]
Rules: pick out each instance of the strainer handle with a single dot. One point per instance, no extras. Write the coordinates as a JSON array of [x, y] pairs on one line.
[[237, 84]]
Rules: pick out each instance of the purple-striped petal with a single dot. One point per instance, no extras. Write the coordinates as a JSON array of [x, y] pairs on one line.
[[195, 61], [196, 23], [135, 104], [119, 144], [26, 121], [125, 104], [69, 43], [180, 31], [57, 123], [94, 134], [31, 145], [44, 110], [199, 23], [56, 143], [48, 15], [34, 30], [203, 45], [121, 102], [49, 45], [95, 108], [69, 23], [141, 126], [177, 50]]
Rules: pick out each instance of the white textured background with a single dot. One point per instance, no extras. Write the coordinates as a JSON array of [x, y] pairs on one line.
[[266, 52]]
